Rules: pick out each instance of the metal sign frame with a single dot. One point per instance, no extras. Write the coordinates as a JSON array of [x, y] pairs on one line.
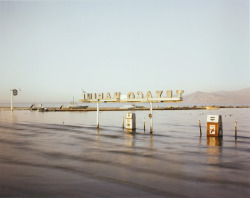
[[97, 98]]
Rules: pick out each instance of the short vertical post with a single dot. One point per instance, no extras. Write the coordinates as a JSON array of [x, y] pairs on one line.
[[151, 117], [200, 128], [144, 124], [11, 100], [235, 129], [123, 122], [97, 110]]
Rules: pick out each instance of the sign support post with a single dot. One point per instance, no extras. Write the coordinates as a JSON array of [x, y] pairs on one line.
[[151, 117], [97, 110], [13, 93], [11, 100]]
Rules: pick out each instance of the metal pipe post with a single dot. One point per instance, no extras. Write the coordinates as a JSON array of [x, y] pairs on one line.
[[97, 110], [200, 127], [144, 124], [235, 129], [11, 100], [151, 117]]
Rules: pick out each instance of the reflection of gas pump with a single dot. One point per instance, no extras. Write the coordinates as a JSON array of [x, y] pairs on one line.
[[214, 147], [130, 139], [214, 141]]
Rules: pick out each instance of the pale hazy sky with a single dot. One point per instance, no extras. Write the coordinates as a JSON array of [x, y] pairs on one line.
[[53, 49]]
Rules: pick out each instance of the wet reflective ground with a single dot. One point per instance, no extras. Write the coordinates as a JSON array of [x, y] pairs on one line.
[[62, 154]]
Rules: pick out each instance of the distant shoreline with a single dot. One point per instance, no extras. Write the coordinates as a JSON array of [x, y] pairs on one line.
[[123, 109]]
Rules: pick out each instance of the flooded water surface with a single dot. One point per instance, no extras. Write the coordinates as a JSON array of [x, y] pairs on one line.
[[62, 154]]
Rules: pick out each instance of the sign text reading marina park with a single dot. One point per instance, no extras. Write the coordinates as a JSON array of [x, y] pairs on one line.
[[133, 97]]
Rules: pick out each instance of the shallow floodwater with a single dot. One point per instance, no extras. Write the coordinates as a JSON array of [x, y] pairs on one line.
[[62, 154]]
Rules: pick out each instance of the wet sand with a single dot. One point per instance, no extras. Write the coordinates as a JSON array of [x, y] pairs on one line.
[[62, 154]]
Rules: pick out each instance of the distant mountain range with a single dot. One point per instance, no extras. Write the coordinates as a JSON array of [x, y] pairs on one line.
[[221, 97]]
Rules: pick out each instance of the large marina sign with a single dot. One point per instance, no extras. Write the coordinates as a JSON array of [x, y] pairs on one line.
[[132, 97]]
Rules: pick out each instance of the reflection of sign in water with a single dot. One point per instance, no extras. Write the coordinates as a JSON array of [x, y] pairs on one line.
[[212, 129]]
